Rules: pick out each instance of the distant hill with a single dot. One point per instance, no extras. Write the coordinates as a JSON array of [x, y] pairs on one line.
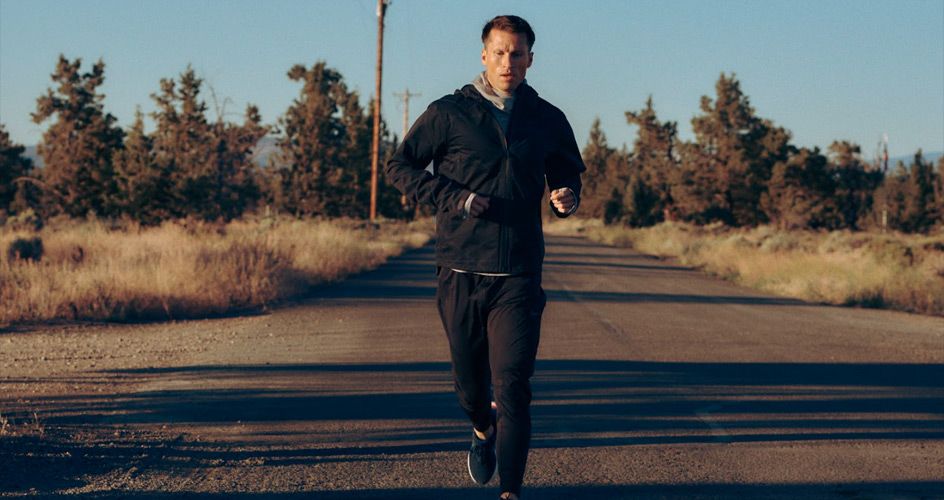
[[930, 157], [267, 148]]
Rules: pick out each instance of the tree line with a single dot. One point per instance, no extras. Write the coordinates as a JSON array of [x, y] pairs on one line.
[[742, 170], [194, 164]]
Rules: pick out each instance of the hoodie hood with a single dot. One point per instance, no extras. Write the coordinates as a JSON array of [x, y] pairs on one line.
[[502, 100]]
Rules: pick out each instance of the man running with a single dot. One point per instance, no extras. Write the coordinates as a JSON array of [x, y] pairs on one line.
[[493, 143]]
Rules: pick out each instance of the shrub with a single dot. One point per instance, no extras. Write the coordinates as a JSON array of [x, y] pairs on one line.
[[25, 249]]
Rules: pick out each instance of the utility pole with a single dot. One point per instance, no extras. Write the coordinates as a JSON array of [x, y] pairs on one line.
[[405, 96], [375, 147]]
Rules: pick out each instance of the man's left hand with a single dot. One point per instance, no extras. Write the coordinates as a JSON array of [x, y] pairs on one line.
[[563, 200]]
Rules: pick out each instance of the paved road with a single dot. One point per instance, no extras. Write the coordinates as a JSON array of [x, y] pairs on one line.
[[653, 381]]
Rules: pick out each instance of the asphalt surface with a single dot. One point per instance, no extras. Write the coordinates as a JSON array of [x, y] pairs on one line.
[[653, 380]]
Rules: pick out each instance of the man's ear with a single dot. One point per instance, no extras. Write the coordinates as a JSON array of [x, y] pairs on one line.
[[530, 59], [483, 56]]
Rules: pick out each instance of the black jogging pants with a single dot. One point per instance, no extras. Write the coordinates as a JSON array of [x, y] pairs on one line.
[[494, 324]]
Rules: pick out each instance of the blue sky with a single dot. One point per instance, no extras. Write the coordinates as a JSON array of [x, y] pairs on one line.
[[825, 70]]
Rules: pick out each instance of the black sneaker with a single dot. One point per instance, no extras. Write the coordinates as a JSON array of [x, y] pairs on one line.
[[482, 459]]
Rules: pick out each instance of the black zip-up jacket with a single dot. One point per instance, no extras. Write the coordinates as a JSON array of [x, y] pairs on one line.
[[470, 153]]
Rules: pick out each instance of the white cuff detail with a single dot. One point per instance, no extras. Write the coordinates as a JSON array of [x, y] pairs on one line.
[[468, 203]]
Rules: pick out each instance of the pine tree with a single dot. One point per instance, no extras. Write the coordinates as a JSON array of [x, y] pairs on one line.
[[353, 184], [235, 189], [619, 173], [312, 141], [145, 189], [919, 214], [183, 144], [697, 188], [654, 156], [640, 202], [208, 164], [597, 185], [13, 165], [78, 146], [725, 172], [856, 182], [890, 200], [800, 192], [324, 151]]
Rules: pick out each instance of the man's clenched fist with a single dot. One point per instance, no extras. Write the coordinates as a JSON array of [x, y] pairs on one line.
[[563, 200]]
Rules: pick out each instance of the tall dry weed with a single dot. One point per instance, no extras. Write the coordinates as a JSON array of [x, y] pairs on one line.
[[187, 269], [897, 271]]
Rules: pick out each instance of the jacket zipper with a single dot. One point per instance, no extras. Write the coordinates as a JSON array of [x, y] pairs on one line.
[[502, 252]]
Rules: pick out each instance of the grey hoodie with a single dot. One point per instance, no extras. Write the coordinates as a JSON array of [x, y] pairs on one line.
[[503, 101]]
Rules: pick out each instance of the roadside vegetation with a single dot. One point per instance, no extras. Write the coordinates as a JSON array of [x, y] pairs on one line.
[[850, 229], [870, 269], [91, 270]]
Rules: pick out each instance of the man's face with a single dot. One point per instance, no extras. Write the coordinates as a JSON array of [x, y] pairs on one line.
[[506, 59]]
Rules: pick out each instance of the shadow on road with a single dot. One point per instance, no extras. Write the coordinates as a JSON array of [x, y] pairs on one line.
[[582, 398], [578, 403], [412, 276]]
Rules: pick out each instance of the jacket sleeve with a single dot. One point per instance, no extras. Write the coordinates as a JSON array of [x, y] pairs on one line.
[[564, 165], [426, 141]]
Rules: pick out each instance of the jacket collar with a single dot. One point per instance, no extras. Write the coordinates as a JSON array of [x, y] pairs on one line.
[[525, 96]]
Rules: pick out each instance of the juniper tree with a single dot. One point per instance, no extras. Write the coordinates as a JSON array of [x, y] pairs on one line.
[[619, 174], [855, 183], [800, 192], [725, 171], [698, 189], [654, 155], [890, 199], [352, 190], [235, 189], [144, 186], [312, 140], [79, 144], [13, 165], [919, 212], [183, 144], [597, 183], [640, 202], [208, 164]]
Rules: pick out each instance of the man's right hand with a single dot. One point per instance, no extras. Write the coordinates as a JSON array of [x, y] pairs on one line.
[[477, 206]]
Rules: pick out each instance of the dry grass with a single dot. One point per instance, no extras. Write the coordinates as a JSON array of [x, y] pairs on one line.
[[896, 271], [34, 427], [90, 271]]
